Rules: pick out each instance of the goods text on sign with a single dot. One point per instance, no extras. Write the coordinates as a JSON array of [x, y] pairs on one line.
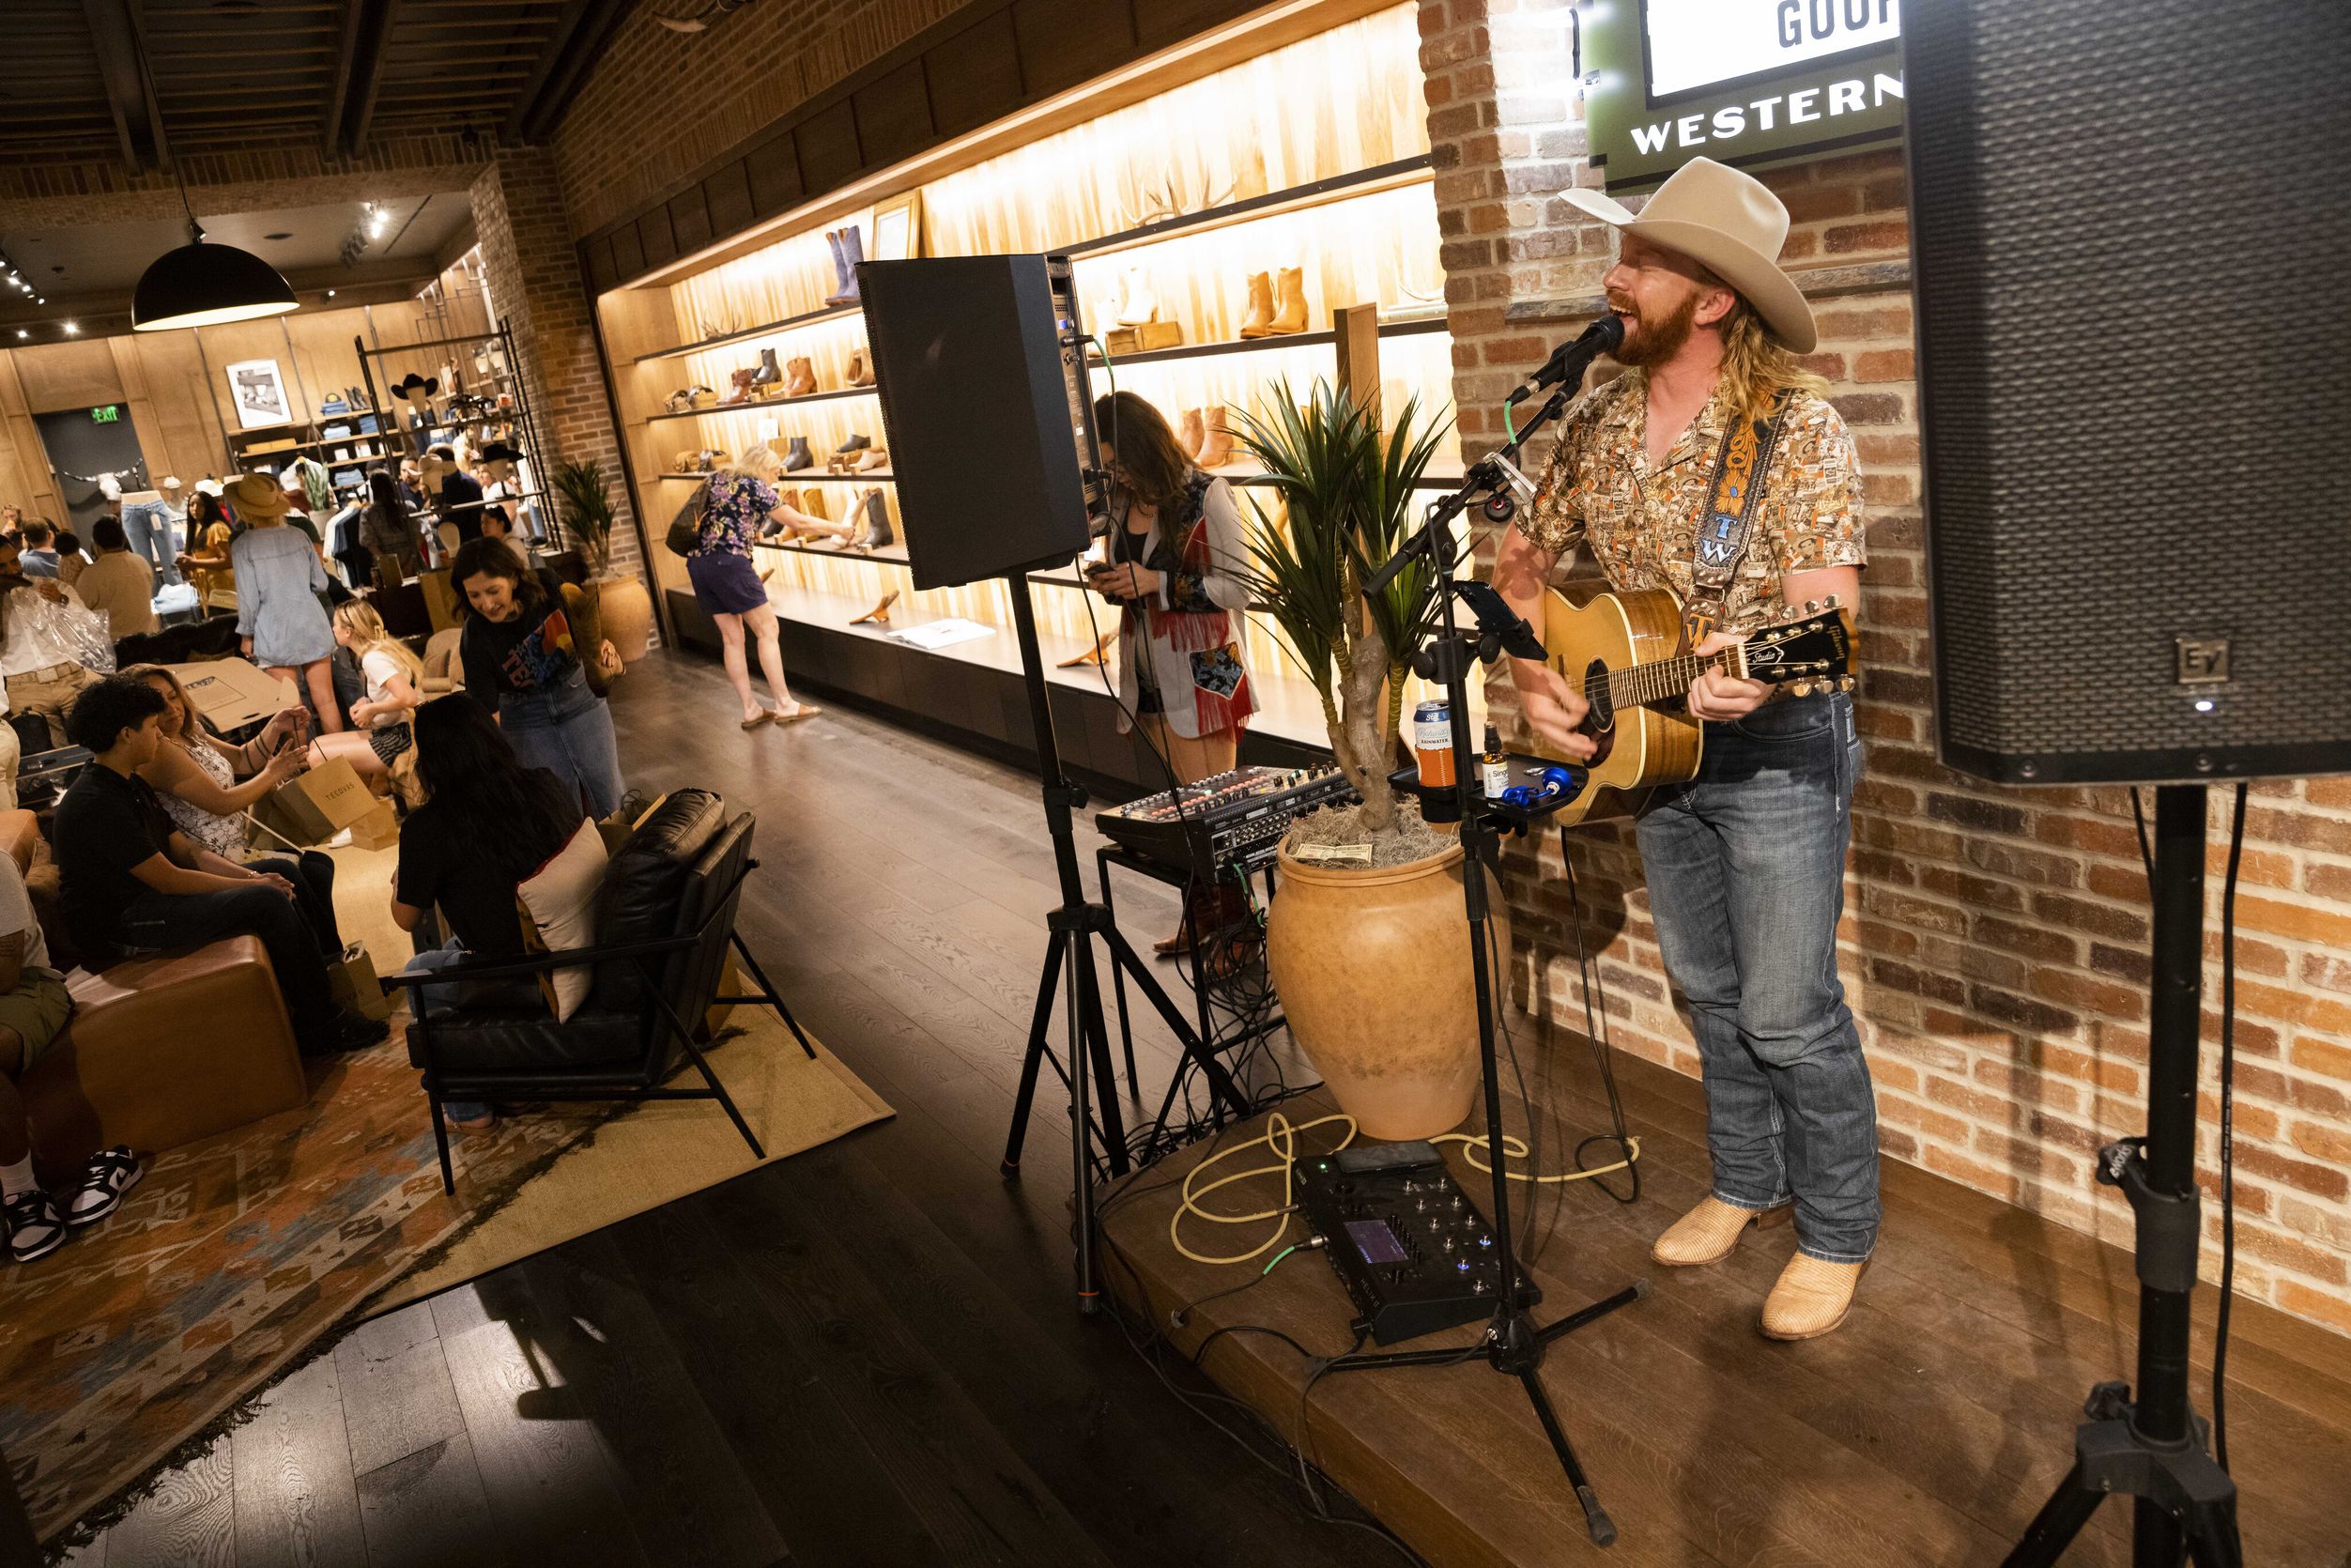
[[1750, 83]]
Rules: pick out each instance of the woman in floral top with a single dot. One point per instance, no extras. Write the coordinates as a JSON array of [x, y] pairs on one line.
[[741, 501]]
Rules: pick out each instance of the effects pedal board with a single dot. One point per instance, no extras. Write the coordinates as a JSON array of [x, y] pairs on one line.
[[1410, 1246]]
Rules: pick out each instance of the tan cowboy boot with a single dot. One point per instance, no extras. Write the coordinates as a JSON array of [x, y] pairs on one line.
[[1216, 437], [1260, 322], [1708, 1233], [1289, 314], [1189, 432], [1810, 1298]]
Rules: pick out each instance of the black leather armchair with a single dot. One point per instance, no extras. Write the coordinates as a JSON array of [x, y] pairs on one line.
[[665, 921]]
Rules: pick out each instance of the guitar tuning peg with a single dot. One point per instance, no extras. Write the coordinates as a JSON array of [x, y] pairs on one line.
[[1844, 682], [1812, 607]]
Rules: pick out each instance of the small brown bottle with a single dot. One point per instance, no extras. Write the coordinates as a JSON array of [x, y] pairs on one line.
[[1494, 767]]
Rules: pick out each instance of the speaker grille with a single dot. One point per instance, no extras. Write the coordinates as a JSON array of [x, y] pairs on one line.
[[2130, 221]]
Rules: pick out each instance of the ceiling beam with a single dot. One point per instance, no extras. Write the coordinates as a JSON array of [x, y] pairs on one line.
[[122, 63], [359, 75], [572, 51]]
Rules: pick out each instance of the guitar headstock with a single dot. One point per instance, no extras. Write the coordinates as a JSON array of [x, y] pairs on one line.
[[1809, 649]]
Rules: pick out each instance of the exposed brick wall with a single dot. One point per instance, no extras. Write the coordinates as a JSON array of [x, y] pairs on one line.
[[660, 105], [1994, 946], [532, 269]]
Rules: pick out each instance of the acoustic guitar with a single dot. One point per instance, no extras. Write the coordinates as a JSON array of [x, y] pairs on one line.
[[1624, 652]]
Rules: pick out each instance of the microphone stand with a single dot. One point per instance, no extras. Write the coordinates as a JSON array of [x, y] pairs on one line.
[[1514, 1343]]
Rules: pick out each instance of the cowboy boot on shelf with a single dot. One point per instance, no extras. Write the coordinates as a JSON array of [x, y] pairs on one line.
[[860, 369], [878, 534], [799, 457], [1216, 437], [802, 379], [770, 373], [1187, 432], [812, 503], [1289, 308], [739, 387], [849, 249], [1137, 304], [1260, 321]]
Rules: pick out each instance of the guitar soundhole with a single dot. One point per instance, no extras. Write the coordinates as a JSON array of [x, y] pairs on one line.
[[1600, 721]]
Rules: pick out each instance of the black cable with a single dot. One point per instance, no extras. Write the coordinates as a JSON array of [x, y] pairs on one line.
[[2146, 854], [2228, 1131], [1596, 1036]]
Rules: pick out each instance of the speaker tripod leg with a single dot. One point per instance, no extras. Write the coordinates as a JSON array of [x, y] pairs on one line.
[[1036, 1058], [2059, 1521]]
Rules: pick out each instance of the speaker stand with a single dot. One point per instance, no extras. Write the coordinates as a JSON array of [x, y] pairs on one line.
[[2156, 1449]]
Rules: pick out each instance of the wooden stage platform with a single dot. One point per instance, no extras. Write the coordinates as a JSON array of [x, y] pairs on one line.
[[1927, 1430]]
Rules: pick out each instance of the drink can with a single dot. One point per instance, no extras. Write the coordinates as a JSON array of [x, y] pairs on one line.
[[1433, 742]]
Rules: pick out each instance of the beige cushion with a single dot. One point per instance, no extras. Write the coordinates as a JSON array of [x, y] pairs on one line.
[[559, 906]]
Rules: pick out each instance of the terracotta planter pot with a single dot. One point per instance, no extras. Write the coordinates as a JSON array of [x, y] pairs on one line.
[[1373, 969], [628, 616]]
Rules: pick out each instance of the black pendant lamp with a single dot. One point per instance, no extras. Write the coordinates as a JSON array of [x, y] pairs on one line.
[[201, 284]]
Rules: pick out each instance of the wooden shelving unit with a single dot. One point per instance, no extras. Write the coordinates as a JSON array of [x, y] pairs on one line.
[[1297, 159]]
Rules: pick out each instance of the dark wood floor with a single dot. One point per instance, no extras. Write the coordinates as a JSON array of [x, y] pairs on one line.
[[864, 1355]]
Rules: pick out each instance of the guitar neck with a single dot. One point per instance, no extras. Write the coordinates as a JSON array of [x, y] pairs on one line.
[[1645, 685]]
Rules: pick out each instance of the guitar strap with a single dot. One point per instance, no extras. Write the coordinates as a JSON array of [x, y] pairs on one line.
[[1728, 519]]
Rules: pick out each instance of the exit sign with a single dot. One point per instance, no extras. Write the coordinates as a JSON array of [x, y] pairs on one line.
[[108, 415]]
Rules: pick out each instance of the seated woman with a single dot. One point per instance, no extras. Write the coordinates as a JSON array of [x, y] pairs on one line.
[[195, 775], [487, 824], [393, 677], [206, 558], [134, 883]]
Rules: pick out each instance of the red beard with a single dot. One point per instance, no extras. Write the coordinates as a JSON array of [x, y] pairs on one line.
[[1652, 341]]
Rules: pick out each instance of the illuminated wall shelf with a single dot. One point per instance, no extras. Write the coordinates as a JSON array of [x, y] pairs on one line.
[[747, 334], [755, 404]]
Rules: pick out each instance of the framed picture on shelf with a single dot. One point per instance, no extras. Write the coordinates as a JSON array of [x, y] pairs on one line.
[[259, 392], [898, 229]]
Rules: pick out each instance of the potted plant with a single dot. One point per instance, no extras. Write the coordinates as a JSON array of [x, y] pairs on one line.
[[584, 496], [1367, 953]]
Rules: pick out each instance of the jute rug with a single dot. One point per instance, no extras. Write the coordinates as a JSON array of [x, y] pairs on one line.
[[236, 1255]]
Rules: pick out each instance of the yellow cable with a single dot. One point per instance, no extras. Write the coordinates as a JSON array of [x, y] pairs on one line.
[[1514, 1147]]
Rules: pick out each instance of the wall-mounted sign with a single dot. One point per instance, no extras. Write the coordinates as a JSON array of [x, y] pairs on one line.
[[109, 414], [1743, 81]]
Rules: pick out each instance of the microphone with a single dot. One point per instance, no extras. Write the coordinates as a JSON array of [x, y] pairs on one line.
[[1569, 360]]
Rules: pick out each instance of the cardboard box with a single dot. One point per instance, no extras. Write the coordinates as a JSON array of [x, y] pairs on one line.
[[379, 830], [351, 980], [233, 693], [314, 807], [442, 603]]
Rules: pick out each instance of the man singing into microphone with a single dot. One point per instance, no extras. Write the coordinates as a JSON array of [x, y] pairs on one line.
[[1744, 864]]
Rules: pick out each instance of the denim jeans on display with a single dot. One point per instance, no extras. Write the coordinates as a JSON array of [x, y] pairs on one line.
[[153, 531], [567, 730], [425, 998], [1745, 867]]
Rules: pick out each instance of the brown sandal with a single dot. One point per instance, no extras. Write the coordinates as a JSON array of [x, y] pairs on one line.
[[766, 717], [800, 711]]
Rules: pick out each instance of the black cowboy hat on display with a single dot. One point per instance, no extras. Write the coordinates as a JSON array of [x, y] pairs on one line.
[[415, 384], [499, 451]]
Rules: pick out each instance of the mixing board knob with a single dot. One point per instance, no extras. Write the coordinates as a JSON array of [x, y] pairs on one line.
[[1449, 1244], [1476, 1287], [1456, 1203], [1486, 1241], [1463, 1267], [1421, 1205]]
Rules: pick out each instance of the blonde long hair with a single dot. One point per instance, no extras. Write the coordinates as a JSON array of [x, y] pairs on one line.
[[1758, 366], [368, 635], [191, 723]]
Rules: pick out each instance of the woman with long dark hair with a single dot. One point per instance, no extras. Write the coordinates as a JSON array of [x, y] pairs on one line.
[[389, 532], [488, 823], [1174, 567], [521, 664]]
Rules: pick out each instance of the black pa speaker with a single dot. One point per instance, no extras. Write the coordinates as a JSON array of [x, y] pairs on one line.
[[969, 362], [2131, 240]]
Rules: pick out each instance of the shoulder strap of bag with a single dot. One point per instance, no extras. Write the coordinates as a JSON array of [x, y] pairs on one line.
[[1727, 522]]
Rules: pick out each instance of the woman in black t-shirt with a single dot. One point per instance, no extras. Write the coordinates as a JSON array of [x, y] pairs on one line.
[[488, 823], [521, 664]]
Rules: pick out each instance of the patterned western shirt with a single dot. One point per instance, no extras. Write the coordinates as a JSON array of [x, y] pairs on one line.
[[1641, 518]]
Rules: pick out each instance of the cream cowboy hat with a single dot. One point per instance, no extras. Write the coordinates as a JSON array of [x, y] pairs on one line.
[[1729, 224]]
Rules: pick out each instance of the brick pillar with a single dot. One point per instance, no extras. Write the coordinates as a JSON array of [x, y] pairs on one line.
[[536, 284]]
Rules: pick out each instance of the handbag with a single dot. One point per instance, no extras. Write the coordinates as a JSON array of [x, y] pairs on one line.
[[686, 529]]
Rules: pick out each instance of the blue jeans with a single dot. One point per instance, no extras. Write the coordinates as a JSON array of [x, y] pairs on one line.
[[426, 998], [154, 535], [567, 730], [1745, 867]]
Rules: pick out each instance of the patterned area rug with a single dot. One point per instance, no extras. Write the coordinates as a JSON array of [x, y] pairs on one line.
[[236, 1254]]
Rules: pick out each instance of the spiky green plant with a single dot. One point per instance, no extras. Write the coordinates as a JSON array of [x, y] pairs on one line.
[[585, 498], [1348, 489]]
